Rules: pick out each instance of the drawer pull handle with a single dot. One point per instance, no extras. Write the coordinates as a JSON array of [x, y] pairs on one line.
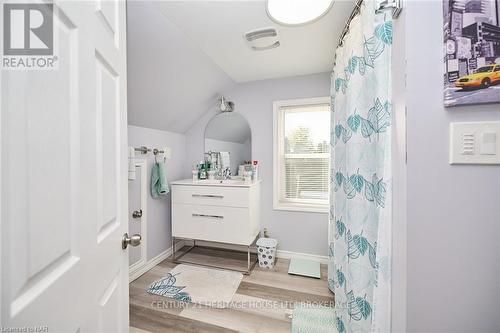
[[208, 196], [210, 216]]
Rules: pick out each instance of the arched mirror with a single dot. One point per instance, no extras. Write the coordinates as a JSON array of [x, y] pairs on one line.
[[229, 133]]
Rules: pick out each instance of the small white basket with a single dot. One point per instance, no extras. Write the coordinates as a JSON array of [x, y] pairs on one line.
[[266, 250]]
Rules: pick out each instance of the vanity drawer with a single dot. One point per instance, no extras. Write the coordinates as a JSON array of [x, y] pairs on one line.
[[211, 195], [212, 223]]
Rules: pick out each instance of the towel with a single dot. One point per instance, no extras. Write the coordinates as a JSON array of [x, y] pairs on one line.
[[225, 160], [159, 185], [131, 163]]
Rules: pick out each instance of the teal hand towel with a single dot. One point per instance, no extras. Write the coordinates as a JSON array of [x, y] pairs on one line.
[[159, 185]]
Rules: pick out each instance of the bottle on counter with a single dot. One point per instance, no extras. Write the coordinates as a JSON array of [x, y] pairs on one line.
[[194, 172], [255, 170], [202, 173]]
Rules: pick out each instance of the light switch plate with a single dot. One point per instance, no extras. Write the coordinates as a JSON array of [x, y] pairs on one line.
[[475, 142], [488, 143]]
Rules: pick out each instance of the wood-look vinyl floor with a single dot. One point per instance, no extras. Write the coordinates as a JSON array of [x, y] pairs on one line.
[[264, 298]]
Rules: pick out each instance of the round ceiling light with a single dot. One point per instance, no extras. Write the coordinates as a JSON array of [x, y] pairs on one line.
[[297, 12]]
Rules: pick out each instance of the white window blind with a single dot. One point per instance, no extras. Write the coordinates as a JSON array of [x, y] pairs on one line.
[[302, 165]]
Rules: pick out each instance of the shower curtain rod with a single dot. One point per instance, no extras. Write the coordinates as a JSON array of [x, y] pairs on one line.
[[383, 5], [354, 12]]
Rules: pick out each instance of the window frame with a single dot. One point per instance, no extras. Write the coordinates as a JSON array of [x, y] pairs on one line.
[[278, 145]]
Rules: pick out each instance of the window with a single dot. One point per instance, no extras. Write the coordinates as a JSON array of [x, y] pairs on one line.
[[302, 154]]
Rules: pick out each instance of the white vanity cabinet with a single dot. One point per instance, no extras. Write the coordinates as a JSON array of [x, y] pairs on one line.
[[226, 212]]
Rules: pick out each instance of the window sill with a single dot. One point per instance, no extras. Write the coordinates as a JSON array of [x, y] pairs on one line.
[[302, 208]]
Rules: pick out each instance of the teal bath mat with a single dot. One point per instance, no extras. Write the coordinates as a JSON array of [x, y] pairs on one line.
[[313, 319], [305, 267]]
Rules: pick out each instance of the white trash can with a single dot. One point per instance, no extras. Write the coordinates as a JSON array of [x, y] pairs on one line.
[[266, 250]]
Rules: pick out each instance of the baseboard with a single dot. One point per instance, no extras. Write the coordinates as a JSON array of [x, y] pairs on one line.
[[298, 255], [136, 266], [279, 254], [137, 272]]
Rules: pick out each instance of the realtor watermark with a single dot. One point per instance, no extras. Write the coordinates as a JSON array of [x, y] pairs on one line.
[[29, 41], [27, 329], [258, 304]]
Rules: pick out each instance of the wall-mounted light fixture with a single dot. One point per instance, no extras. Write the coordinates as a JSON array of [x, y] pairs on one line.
[[224, 105]]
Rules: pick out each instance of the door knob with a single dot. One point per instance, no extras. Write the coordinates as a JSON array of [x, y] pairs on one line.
[[133, 240], [137, 214]]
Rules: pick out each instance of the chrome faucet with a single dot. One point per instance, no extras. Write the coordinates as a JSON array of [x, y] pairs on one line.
[[215, 160]]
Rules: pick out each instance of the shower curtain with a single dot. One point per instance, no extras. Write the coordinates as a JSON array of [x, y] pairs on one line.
[[359, 270]]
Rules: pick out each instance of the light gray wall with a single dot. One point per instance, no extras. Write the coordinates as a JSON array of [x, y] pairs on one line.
[[159, 217], [171, 81], [453, 211], [296, 231]]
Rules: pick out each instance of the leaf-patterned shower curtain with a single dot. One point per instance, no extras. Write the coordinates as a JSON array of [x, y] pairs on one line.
[[360, 213]]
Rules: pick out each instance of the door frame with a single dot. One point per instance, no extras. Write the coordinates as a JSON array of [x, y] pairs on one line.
[[135, 270]]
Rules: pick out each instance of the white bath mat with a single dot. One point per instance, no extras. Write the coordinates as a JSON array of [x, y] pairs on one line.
[[210, 287]]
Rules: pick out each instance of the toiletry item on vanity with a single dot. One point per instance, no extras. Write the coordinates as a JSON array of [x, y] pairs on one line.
[[202, 173], [247, 176], [255, 170], [194, 172]]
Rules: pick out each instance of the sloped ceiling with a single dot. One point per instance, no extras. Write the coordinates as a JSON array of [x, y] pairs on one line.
[[171, 82], [218, 27], [181, 54]]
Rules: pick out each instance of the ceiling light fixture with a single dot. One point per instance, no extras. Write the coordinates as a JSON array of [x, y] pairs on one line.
[[297, 12]]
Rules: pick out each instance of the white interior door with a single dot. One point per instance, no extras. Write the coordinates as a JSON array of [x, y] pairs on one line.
[[63, 177]]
